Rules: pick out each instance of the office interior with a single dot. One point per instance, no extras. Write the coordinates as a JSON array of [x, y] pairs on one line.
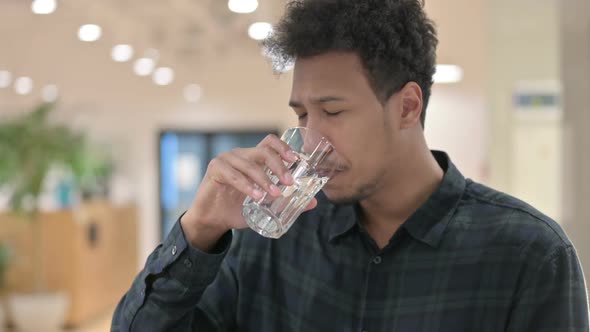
[[157, 89]]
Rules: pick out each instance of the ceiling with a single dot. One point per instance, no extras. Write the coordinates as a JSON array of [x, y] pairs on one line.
[[202, 40], [193, 37], [177, 28]]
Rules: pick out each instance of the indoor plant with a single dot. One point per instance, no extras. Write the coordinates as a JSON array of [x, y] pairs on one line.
[[30, 146]]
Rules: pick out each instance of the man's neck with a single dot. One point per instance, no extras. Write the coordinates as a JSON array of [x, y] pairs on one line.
[[403, 193]]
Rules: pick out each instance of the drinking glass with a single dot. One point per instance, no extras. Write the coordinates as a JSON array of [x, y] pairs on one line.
[[273, 216]]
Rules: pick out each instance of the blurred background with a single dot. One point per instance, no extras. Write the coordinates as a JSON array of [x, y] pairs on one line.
[[111, 110]]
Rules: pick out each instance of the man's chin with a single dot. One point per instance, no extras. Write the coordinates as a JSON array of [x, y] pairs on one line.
[[337, 198]]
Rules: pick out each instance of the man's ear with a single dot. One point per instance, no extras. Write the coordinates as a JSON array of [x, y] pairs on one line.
[[411, 104]]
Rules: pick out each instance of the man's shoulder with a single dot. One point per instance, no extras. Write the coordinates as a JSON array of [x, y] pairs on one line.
[[518, 222]]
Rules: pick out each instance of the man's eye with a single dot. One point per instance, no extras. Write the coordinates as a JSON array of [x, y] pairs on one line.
[[332, 113], [302, 116]]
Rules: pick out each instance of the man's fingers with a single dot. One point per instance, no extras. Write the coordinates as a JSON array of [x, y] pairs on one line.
[[312, 205], [282, 148], [231, 176], [251, 170]]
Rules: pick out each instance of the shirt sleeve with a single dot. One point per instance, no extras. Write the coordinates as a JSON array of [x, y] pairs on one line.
[[165, 294], [553, 297]]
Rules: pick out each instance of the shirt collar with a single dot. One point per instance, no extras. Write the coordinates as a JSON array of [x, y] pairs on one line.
[[429, 222]]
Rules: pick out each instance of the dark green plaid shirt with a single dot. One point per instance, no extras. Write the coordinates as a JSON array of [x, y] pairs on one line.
[[470, 259]]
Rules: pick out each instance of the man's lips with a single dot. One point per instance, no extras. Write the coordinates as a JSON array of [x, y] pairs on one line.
[[330, 173]]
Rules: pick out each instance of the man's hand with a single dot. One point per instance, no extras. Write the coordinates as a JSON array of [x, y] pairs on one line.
[[231, 177]]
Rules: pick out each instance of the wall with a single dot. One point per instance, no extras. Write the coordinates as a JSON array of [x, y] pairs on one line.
[[524, 49], [457, 117], [575, 64]]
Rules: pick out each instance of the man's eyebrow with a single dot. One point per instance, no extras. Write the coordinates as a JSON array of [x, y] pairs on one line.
[[318, 100]]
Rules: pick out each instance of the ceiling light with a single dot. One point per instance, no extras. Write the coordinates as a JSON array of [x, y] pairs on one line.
[[49, 93], [192, 93], [23, 85], [259, 30], [242, 6], [43, 7], [5, 78], [446, 74], [122, 53], [163, 76], [143, 66], [89, 32]]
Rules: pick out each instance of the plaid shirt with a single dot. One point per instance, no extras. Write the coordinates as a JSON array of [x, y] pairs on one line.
[[469, 259]]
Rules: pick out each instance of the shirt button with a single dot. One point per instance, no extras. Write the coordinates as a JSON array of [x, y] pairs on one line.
[[377, 260], [173, 250], [142, 292], [188, 263]]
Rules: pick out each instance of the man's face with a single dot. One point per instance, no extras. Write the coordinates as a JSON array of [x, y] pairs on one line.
[[332, 95]]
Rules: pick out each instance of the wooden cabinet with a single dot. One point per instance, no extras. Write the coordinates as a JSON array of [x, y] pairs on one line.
[[90, 253]]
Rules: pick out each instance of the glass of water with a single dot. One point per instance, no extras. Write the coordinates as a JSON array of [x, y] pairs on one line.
[[272, 217]]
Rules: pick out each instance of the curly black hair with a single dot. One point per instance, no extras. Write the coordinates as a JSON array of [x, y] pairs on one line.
[[394, 39]]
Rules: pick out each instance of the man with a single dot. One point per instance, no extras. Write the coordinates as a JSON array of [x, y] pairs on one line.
[[398, 241]]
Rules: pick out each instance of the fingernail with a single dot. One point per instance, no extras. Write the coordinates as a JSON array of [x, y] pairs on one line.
[[288, 178], [292, 155], [275, 189], [256, 193]]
